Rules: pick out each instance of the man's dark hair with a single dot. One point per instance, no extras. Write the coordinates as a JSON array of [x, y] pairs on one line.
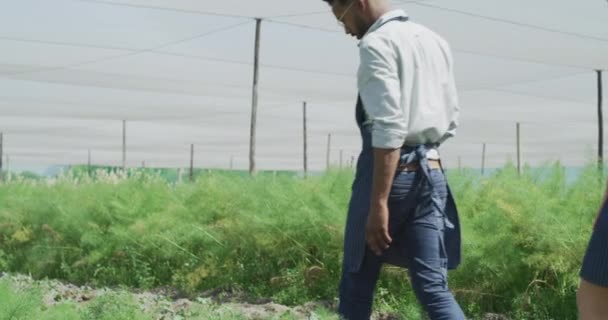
[[331, 2]]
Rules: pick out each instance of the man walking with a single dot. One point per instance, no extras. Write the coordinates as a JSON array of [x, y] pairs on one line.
[[401, 210]]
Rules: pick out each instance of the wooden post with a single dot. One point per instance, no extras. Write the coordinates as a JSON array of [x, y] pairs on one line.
[[518, 141], [600, 122], [328, 151], [483, 159], [124, 144], [459, 163], [143, 164], [191, 162], [341, 157], [254, 100], [305, 140], [231, 162]]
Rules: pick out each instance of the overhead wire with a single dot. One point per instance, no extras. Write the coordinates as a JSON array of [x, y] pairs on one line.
[[113, 57]]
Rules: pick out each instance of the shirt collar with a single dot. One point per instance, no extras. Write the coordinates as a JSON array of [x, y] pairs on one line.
[[391, 15]]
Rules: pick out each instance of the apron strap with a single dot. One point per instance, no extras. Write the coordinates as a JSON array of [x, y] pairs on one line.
[[420, 154]]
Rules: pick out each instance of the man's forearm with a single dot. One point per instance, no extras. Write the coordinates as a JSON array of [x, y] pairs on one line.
[[385, 165]]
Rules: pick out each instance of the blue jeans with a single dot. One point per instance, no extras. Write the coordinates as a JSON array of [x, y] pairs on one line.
[[418, 224]]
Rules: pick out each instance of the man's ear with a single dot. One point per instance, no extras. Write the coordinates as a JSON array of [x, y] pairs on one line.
[[362, 5]]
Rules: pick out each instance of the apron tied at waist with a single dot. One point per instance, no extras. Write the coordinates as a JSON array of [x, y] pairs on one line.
[[420, 154]]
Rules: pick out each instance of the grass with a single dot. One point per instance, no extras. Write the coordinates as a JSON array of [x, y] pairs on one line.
[[280, 237]]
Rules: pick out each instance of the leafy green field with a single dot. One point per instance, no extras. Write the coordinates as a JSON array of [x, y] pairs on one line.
[[280, 237]]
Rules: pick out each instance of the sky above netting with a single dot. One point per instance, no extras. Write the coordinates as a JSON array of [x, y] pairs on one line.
[[180, 72]]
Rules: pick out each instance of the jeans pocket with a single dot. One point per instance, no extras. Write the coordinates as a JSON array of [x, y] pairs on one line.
[[403, 185]]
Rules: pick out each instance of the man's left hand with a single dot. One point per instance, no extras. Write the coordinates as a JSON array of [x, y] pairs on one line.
[[376, 230]]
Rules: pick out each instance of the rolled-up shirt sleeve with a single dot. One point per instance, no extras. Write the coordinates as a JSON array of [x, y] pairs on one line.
[[380, 91]]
